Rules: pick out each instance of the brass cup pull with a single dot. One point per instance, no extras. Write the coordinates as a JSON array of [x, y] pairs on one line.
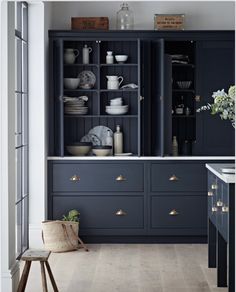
[[75, 178], [225, 209], [173, 178], [214, 187], [214, 209], [120, 178], [173, 213], [219, 203], [121, 213], [210, 194]]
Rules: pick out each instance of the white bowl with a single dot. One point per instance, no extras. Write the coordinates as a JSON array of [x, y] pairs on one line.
[[71, 83], [116, 103], [80, 149], [117, 107], [101, 150], [116, 111], [121, 58]]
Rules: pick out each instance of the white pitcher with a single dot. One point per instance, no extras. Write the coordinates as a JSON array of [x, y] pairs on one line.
[[86, 51], [70, 55], [113, 82]]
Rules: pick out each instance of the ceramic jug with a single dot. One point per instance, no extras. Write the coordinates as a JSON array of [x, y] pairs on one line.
[[70, 55], [86, 51], [113, 82]]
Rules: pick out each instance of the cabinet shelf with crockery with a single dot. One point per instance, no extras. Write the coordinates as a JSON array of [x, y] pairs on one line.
[[86, 75]]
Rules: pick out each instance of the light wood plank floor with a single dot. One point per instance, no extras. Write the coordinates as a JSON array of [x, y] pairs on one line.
[[129, 268]]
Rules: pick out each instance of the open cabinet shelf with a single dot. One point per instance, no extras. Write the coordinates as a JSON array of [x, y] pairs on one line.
[[73, 127]]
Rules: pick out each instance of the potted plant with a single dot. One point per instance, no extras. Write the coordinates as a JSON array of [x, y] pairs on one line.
[[62, 235], [224, 105]]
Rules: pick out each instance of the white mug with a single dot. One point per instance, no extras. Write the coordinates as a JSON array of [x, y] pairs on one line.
[[114, 84]]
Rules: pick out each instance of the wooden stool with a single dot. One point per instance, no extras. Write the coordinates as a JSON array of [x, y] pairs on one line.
[[41, 256]]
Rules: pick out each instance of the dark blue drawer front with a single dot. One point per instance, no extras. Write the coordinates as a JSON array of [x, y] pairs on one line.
[[101, 212], [212, 193], [97, 177], [223, 209], [191, 212], [178, 177]]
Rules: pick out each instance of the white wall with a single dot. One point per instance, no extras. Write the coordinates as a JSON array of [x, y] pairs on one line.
[[39, 20], [200, 15], [8, 266]]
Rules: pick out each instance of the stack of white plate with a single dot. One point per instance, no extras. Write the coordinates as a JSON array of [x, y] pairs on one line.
[[75, 106], [116, 107]]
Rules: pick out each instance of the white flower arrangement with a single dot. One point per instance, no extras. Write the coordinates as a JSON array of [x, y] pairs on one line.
[[224, 105]]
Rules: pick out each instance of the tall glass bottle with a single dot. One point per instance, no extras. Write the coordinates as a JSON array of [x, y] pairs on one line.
[[125, 17]]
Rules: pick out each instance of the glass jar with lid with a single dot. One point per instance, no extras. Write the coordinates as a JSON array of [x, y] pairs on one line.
[[125, 17]]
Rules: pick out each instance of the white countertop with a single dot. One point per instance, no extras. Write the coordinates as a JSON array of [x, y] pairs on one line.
[[216, 169], [141, 158]]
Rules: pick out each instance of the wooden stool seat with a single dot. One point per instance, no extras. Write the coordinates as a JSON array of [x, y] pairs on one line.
[[42, 257]]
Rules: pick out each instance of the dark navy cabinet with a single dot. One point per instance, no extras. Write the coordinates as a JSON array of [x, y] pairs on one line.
[[177, 199], [152, 200], [221, 230], [215, 71], [151, 122]]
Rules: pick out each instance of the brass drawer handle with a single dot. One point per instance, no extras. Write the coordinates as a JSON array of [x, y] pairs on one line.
[[225, 209], [173, 213], [214, 209], [121, 213], [120, 178], [173, 178], [210, 194], [214, 187], [219, 203], [75, 178]]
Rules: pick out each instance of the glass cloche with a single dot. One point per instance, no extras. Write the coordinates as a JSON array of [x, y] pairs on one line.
[[125, 17]]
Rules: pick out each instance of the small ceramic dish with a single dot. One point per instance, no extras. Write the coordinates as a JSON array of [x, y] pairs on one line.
[[102, 150], [71, 83], [79, 149], [121, 58]]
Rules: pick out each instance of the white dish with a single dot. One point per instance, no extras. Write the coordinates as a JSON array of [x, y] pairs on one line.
[[117, 106], [121, 58], [123, 154], [87, 79], [228, 170], [97, 135], [101, 152], [71, 83], [119, 111], [78, 150]]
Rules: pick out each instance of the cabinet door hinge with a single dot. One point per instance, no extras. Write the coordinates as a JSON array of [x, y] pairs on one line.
[[141, 98]]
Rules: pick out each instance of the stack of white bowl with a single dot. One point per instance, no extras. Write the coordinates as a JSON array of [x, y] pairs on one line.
[[116, 107]]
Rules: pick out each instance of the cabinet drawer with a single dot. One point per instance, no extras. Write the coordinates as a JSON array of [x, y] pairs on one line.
[[212, 192], [182, 212], [178, 177], [97, 177], [222, 217], [103, 212]]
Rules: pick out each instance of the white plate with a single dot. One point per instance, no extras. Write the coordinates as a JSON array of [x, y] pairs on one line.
[[228, 170], [124, 154], [116, 111], [97, 135]]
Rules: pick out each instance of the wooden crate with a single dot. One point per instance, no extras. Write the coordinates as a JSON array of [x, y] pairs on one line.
[[169, 21], [87, 23]]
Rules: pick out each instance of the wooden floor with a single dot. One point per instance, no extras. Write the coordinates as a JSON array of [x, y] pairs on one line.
[[129, 268]]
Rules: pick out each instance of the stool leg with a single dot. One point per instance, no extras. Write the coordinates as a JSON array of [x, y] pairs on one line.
[[24, 277], [54, 285], [44, 280]]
